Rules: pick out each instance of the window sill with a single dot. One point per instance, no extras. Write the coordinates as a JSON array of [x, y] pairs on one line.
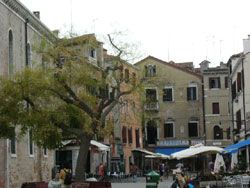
[[31, 156], [212, 115], [13, 155]]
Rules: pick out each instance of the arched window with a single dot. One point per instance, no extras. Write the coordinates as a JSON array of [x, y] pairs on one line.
[[11, 62], [151, 132], [28, 55], [218, 133]]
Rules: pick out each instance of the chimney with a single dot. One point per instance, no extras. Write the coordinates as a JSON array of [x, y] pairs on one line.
[[37, 14], [204, 65], [246, 45]]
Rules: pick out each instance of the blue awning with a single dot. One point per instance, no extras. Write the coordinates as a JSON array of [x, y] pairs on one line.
[[168, 151], [235, 147]]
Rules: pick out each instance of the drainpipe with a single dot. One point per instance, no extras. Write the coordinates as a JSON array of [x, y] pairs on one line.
[[203, 109]]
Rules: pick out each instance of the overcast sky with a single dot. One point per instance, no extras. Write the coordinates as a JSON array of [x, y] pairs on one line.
[[178, 30]]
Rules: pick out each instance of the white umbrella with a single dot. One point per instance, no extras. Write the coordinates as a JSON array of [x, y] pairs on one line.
[[195, 150], [219, 162], [234, 160]]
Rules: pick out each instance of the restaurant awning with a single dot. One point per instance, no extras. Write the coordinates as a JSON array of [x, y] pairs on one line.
[[100, 146], [235, 147], [144, 151], [169, 151], [196, 150]]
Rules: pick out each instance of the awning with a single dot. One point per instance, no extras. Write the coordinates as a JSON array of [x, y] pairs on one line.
[[100, 146], [196, 150], [235, 147], [168, 151], [144, 151]]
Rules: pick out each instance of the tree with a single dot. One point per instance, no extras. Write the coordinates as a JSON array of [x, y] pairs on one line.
[[70, 96]]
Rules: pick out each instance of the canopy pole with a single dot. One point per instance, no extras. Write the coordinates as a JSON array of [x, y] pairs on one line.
[[247, 157]]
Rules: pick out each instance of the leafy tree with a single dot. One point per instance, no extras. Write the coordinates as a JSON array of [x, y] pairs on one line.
[[67, 97]]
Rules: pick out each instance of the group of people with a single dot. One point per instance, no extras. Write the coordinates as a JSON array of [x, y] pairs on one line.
[[182, 181], [62, 179]]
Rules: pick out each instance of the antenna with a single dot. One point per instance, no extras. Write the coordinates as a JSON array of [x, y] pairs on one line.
[[220, 49]]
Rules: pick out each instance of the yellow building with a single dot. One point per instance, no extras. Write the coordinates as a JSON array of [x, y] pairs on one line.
[[173, 105]]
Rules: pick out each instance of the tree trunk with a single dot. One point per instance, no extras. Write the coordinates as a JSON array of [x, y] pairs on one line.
[[82, 158]]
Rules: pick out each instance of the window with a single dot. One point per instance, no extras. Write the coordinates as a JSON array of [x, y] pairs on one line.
[[226, 82], [151, 132], [13, 144], [124, 135], [28, 55], [92, 53], [121, 73], [45, 152], [168, 130], [234, 90], [216, 108], [130, 137], [168, 94], [192, 93], [150, 70], [11, 61], [31, 144], [137, 137], [238, 120], [193, 129], [239, 86], [214, 82], [218, 133], [151, 95], [133, 78], [126, 75]]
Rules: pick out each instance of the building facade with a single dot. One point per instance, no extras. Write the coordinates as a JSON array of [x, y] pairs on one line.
[[173, 105], [126, 116], [21, 160], [239, 67], [216, 104]]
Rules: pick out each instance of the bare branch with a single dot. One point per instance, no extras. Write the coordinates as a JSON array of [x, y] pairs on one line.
[[112, 43]]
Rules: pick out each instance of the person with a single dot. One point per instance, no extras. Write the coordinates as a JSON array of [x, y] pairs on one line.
[[101, 171], [66, 177], [166, 170], [162, 170], [55, 182], [133, 170], [175, 184]]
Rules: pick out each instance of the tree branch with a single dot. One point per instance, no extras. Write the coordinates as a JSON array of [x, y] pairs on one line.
[[77, 102], [112, 43]]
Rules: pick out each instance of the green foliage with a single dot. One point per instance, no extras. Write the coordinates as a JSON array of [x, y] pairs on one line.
[[67, 98]]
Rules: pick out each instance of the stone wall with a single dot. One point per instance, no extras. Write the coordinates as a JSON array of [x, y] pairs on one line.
[[22, 167]]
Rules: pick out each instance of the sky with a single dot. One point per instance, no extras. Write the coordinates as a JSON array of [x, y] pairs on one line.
[[171, 30]]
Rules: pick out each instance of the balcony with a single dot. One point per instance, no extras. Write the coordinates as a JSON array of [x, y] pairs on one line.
[[151, 106]]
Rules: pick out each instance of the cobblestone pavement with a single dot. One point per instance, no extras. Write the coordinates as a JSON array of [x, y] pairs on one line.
[[141, 183]]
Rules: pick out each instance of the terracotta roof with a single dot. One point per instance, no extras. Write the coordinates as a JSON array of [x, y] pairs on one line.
[[174, 65]]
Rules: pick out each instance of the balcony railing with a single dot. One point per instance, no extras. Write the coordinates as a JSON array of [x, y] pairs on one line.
[[152, 105]]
